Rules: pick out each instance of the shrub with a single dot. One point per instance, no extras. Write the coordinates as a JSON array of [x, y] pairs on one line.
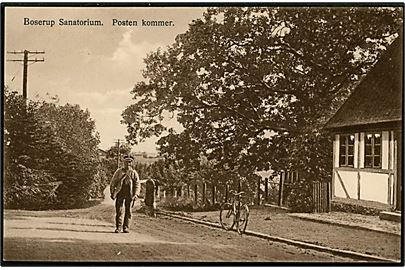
[[187, 204], [353, 208], [29, 189], [300, 197]]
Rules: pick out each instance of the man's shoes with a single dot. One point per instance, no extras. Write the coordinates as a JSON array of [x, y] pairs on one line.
[[126, 230], [117, 231]]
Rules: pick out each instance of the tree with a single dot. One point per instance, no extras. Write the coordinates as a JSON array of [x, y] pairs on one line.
[[252, 87], [77, 166], [30, 151]]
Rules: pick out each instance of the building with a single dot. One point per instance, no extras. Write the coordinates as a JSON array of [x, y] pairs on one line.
[[367, 147]]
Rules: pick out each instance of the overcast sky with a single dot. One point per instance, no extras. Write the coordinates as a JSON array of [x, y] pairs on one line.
[[95, 67]]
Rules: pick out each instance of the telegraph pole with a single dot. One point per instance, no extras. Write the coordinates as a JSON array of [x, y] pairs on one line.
[[25, 61], [118, 152]]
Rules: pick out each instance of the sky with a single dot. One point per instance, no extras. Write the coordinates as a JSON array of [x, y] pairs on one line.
[[93, 66]]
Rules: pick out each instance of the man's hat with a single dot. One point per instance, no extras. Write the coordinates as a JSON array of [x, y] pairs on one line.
[[128, 158]]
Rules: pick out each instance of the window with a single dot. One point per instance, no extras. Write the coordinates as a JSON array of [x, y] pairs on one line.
[[372, 153], [346, 158]]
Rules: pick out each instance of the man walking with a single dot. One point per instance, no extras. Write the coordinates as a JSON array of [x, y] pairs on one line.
[[124, 188]]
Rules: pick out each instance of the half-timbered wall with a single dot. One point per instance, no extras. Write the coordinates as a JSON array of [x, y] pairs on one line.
[[358, 182]]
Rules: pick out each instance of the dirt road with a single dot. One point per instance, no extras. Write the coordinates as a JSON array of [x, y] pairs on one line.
[[87, 235]]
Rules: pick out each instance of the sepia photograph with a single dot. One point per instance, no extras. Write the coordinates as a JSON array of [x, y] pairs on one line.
[[161, 134]]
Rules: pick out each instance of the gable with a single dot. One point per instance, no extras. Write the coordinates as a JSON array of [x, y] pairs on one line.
[[378, 97]]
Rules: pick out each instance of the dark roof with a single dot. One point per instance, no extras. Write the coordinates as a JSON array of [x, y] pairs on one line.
[[378, 97]]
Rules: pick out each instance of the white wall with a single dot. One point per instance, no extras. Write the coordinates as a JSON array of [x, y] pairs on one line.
[[350, 182], [374, 186]]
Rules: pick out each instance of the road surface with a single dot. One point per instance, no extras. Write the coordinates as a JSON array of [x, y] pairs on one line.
[[86, 235]]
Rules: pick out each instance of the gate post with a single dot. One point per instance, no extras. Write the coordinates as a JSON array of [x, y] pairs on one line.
[[195, 193]]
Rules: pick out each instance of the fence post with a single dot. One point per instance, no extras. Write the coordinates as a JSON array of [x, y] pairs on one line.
[[213, 193], [315, 210], [258, 191], [266, 188], [203, 192], [195, 193], [281, 189], [188, 190], [226, 192], [329, 196]]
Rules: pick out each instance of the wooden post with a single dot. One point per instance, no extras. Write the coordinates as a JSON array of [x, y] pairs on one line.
[[204, 192], [281, 189], [266, 189], [213, 193], [315, 207], [188, 190], [258, 190], [226, 192], [329, 201]]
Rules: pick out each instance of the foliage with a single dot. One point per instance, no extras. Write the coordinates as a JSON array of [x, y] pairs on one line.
[[75, 131], [355, 208], [299, 198], [252, 87], [49, 151], [29, 189], [101, 181], [186, 204]]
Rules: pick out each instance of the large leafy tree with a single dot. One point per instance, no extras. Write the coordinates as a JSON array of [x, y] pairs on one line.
[[28, 149], [50, 154], [252, 87], [77, 168]]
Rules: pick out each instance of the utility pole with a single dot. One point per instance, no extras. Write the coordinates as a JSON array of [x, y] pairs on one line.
[[118, 153], [118, 141], [25, 61]]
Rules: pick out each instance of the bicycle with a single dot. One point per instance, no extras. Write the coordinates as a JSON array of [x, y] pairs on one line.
[[234, 213]]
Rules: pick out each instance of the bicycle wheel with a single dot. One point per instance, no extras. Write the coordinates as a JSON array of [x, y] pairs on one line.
[[227, 216], [243, 219]]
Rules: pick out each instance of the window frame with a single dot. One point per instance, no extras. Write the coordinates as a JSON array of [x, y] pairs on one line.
[[346, 154], [373, 146]]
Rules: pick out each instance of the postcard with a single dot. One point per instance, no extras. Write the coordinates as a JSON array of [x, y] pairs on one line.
[[164, 134]]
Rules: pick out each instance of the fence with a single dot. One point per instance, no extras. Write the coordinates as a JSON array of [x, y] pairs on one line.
[[266, 190], [321, 197]]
